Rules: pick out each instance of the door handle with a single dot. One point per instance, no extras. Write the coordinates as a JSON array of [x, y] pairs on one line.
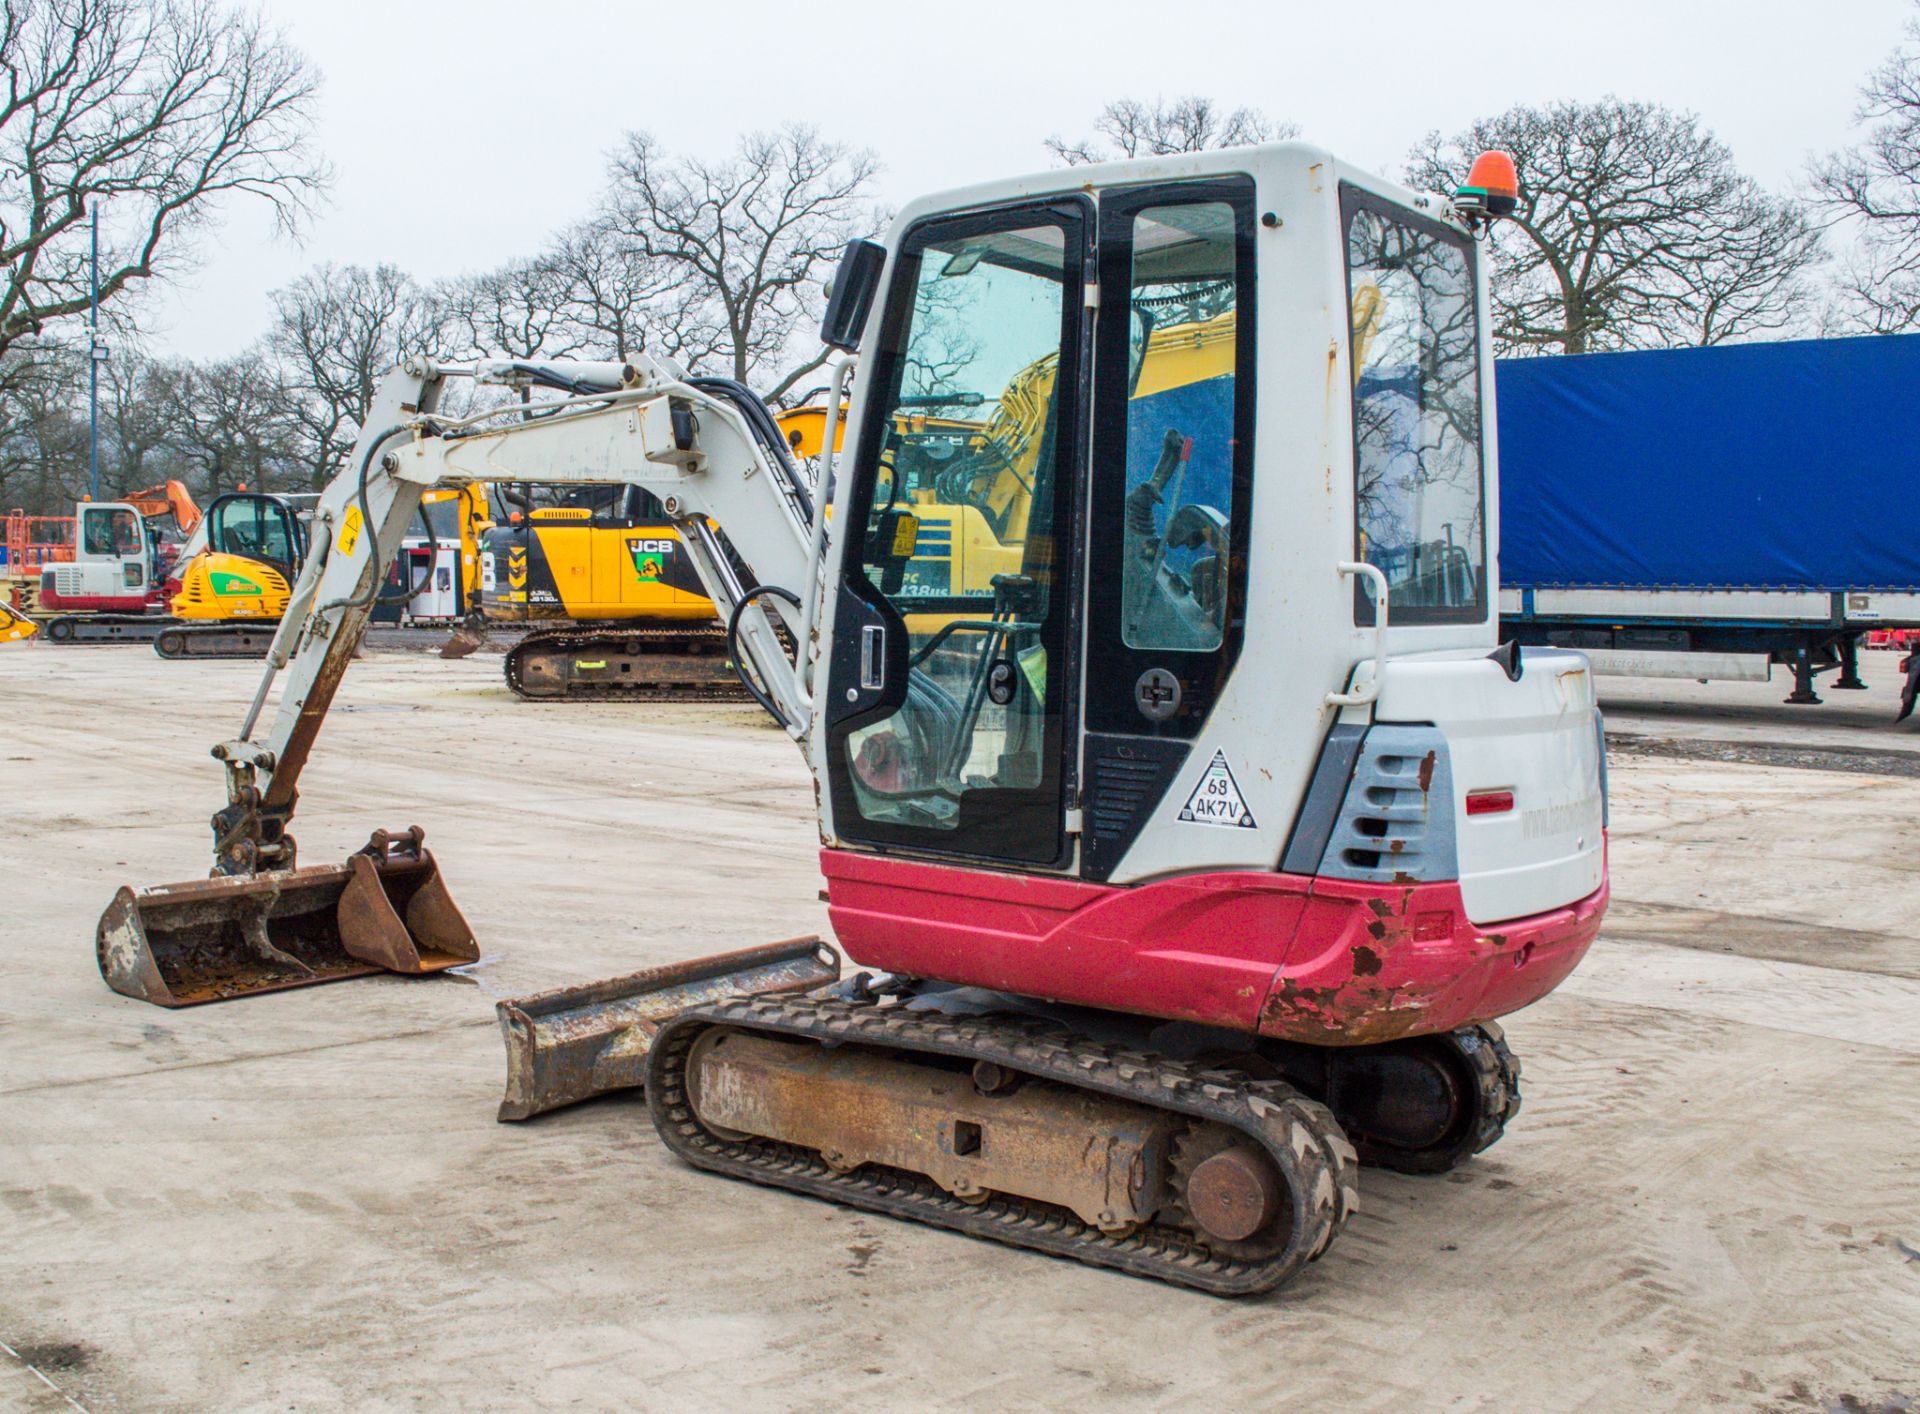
[[873, 657], [1382, 592]]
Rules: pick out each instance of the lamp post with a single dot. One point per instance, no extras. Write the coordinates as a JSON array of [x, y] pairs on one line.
[[96, 355]]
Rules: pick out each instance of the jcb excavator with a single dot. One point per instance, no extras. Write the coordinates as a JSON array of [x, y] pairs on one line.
[[1191, 858], [608, 562]]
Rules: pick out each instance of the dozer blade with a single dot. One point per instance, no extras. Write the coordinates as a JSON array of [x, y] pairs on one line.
[[573, 1043], [209, 940]]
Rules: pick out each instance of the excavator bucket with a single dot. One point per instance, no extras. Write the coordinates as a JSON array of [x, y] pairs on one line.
[[573, 1043], [209, 940], [15, 625]]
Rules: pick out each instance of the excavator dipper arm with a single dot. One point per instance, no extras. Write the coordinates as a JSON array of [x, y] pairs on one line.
[[692, 449]]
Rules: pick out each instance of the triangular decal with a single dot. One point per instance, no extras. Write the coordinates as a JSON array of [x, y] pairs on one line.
[[1217, 799]]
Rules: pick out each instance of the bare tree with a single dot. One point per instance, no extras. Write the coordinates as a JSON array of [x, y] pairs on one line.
[[228, 422], [337, 332], [516, 311], [619, 301], [43, 445], [751, 237], [1635, 229], [152, 111], [1129, 127], [135, 438], [1872, 190]]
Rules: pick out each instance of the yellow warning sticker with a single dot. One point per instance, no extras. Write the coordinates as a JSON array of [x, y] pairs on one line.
[[349, 531], [906, 536]]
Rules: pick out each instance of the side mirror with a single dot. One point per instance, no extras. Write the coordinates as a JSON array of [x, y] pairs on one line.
[[850, 297]]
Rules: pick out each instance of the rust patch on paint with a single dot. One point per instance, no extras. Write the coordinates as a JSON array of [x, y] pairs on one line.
[[1362, 1012], [1366, 962], [1426, 771]]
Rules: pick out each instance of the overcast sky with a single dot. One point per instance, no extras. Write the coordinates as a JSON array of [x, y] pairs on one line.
[[463, 134]]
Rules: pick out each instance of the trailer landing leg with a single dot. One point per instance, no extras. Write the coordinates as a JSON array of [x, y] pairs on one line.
[[1802, 694], [1849, 679]]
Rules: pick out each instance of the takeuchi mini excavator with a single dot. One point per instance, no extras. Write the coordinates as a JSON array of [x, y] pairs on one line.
[[1189, 857]]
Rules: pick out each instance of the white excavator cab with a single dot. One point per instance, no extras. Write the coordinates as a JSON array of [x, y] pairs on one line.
[[112, 561], [1134, 461]]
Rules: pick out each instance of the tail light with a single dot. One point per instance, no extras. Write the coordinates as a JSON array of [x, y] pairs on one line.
[[1489, 802]]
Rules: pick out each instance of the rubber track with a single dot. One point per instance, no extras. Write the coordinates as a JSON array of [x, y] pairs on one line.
[[724, 689], [1299, 1134], [134, 628], [217, 641], [1497, 1073]]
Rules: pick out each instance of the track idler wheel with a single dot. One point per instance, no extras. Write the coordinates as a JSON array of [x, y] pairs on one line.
[[1427, 1105]]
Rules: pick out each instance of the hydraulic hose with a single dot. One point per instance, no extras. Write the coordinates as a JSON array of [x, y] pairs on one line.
[[765, 429], [741, 660]]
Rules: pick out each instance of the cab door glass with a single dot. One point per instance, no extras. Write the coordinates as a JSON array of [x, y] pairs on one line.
[[255, 528], [111, 532], [1172, 474], [959, 541]]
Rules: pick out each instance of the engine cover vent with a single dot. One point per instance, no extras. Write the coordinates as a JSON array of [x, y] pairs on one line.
[[1396, 825]]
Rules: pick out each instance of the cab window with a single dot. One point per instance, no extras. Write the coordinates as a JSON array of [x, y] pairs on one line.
[[256, 528], [112, 532], [963, 544], [1172, 467], [1419, 499], [1180, 443]]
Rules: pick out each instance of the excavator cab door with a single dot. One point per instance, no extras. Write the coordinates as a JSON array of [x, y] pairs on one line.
[[951, 728], [112, 552]]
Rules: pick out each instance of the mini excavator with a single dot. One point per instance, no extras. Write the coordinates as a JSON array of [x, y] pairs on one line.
[[1189, 857]]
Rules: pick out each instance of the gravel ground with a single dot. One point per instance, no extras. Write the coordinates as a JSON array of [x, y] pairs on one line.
[[302, 1201]]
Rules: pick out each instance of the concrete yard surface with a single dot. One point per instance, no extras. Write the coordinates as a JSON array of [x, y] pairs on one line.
[[302, 1201]]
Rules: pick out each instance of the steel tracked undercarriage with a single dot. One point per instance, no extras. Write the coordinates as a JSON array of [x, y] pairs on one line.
[[678, 664]]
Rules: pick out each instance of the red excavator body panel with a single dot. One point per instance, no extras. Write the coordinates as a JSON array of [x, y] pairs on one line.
[[1322, 961]]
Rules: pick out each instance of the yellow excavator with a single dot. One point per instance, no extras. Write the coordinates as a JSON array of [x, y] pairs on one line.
[[610, 563], [603, 580], [234, 577], [235, 573], [15, 626]]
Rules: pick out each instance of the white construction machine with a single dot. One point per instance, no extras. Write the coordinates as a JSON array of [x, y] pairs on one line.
[[1191, 857]]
